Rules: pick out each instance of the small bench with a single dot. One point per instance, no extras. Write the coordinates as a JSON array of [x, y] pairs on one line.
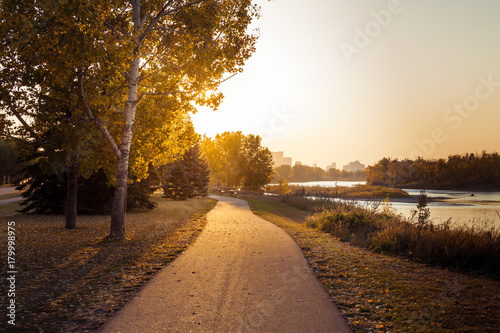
[[233, 193]]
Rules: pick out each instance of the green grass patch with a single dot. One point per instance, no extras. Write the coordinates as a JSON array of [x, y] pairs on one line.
[[377, 292], [74, 280], [9, 209]]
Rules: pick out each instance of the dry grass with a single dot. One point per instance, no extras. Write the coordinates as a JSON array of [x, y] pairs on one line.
[[74, 280], [381, 293], [354, 192]]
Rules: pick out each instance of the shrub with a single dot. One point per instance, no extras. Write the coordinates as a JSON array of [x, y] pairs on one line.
[[469, 248]]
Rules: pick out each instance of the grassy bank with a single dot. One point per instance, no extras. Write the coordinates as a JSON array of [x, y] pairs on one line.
[[380, 293], [376, 227], [74, 280], [354, 192]]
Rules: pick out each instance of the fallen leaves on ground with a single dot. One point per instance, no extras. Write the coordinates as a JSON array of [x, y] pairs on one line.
[[74, 280]]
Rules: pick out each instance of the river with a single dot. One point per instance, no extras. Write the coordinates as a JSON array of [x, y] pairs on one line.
[[472, 208]]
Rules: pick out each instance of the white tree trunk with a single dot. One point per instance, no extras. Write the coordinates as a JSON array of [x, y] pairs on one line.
[[117, 230]]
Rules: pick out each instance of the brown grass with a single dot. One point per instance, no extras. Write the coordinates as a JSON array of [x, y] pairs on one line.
[[74, 280], [381, 293], [354, 192]]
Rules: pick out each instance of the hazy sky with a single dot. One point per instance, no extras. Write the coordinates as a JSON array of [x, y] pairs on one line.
[[338, 81]]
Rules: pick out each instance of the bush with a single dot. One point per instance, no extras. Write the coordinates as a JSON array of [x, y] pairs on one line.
[[348, 223], [468, 248]]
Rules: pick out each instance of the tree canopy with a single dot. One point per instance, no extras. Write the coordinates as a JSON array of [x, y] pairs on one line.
[[235, 159], [132, 70], [187, 177], [458, 171]]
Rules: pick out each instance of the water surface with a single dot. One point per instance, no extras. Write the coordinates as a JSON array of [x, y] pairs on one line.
[[469, 207]]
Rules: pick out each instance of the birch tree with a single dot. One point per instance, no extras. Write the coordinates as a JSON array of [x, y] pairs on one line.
[[127, 61]]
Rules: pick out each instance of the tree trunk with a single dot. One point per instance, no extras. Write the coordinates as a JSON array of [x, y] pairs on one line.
[[117, 229], [71, 196]]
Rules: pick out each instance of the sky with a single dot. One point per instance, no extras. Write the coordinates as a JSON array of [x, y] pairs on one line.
[[339, 81]]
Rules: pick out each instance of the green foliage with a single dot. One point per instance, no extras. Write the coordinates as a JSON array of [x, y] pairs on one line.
[[235, 159], [103, 60], [224, 157], [458, 171], [8, 159], [197, 170], [256, 163], [46, 193], [187, 177], [176, 183], [305, 173]]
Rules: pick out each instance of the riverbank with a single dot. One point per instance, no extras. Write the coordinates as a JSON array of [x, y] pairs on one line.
[[357, 191], [470, 189], [381, 293]]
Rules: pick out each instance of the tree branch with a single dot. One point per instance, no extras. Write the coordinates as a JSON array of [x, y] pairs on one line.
[[181, 7], [114, 91], [173, 92], [164, 12], [18, 139], [184, 33], [95, 120], [24, 123]]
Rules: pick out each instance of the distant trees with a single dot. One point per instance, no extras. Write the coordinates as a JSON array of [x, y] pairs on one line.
[[457, 171], [224, 157], [256, 163], [235, 159], [305, 173]]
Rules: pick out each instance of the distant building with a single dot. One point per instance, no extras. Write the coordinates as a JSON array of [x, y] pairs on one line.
[[315, 165], [298, 163], [279, 160], [331, 166], [354, 166]]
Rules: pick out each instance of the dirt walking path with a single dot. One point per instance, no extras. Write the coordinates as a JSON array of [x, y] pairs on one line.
[[243, 274]]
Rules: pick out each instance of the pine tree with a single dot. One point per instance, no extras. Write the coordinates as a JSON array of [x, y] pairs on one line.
[[188, 177], [198, 173], [46, 193], [176, 183]]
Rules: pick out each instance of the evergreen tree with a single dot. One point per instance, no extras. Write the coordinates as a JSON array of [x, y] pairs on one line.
[[197, 170], [46, 193], [188, 177], [176, 183]]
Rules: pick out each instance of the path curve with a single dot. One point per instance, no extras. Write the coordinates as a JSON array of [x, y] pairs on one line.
[[243, 274]]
